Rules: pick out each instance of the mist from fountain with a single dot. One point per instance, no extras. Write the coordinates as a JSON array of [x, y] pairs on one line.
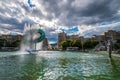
[[30, 34]]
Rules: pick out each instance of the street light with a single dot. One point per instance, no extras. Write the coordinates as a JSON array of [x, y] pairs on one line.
[[109, 47]]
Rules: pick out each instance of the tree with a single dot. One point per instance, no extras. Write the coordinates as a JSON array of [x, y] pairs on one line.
[[66, 44], [16, 43], [87, 44], [76, 43], [2, 41], [90, 44], [94, 43]]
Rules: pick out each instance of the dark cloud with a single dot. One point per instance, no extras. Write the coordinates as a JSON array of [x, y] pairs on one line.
[[97, 10], [13, 23], [69, 13]]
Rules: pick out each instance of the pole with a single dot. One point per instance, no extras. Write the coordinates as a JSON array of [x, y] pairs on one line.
[[110, 48]]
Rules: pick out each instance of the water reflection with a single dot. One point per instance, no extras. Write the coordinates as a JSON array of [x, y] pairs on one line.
[[63, 62], [24, 67], [59, 66], [115, 70], [112, 62], [32, 67]]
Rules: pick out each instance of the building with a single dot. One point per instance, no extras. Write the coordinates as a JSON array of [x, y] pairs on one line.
[[9, 42], [61, 37], [11, 38], [112, 34], [99, 38], [72, 37], [81, 38], [45, 44]]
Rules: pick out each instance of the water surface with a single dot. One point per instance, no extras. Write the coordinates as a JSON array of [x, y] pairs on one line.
[[55, 65]]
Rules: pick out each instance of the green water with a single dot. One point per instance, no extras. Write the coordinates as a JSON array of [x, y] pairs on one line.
[[53, 65]]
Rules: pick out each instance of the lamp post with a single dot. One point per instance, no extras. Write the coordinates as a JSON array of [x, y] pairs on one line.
[[109, 48]]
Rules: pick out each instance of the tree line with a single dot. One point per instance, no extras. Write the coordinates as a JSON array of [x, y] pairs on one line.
[[5, 43], [90, 44]]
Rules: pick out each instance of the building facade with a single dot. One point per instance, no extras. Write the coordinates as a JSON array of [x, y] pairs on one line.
[[112, 34], [45, 44], [61, 37], [72, 37], [12, 38]]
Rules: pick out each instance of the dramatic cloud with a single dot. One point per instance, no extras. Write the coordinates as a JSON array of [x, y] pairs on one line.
[[97, 29], [54, 15]]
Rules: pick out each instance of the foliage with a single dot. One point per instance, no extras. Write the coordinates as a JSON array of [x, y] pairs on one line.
[[2, 41], [16, 43], [76, 43], [90, 44], [66, 44]]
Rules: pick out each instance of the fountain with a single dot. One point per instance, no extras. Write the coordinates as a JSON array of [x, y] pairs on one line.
[[33, 37]]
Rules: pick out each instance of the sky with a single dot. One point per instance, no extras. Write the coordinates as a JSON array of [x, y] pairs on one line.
[[83, 17]]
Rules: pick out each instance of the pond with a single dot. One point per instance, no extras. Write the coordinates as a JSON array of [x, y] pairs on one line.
[[58, 65]]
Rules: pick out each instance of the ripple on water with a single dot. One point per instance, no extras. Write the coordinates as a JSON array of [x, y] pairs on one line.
[[59, 66]]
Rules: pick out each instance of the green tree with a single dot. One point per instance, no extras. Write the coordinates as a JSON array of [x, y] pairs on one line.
[[2, 41], [86, 44], [90, 44], [94, 43], [16, 43], [76, 43], [66, 44]]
